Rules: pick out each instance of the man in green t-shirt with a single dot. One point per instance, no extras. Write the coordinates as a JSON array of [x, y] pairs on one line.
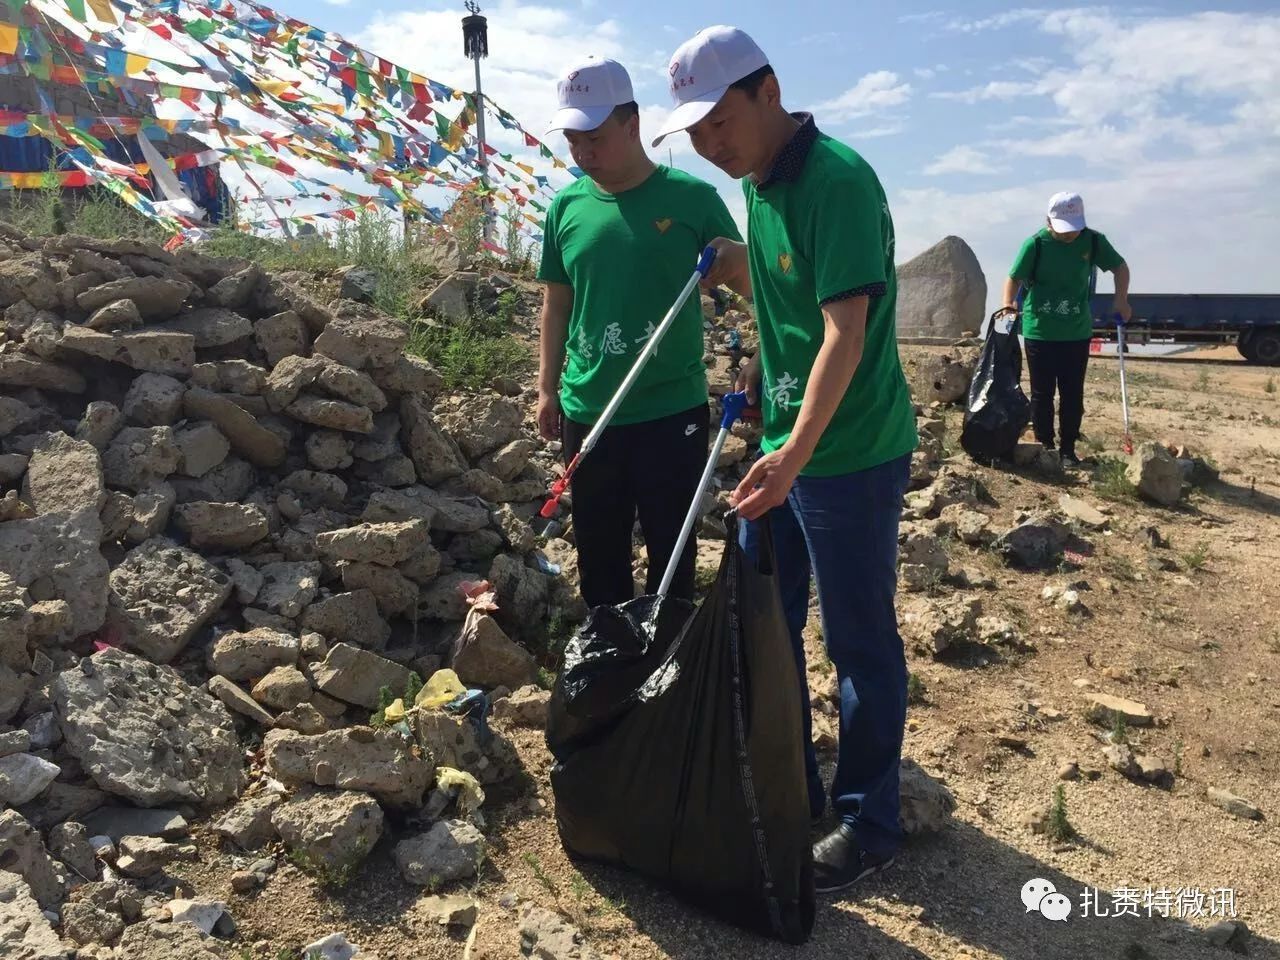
[[1056, 267], [618, 246], [839, 427]]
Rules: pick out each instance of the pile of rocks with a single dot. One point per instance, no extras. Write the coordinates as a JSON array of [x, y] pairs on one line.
[[232, 510]]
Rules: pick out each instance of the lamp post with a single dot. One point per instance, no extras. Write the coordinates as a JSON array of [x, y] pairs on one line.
[[475, 39]]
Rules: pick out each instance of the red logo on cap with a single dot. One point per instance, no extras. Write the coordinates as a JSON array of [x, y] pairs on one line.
[[675, 65]]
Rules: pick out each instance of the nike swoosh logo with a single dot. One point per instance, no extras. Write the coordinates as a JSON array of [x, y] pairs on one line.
[[690, 430]]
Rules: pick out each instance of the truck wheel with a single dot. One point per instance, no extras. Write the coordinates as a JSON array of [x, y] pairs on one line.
[[1265, 348], [1245, 346]]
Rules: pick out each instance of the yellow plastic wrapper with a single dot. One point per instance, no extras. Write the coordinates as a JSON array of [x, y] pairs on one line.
[[466, 788], [395, 711], [441, 687]]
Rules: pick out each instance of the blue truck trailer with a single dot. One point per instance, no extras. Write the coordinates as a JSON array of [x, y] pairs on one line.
[[1250, 321]]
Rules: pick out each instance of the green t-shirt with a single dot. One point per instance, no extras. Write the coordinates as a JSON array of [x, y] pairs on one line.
[[821, 233], [627, 257], [1057, 302]]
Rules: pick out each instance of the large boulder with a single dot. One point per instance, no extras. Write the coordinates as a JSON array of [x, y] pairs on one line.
[[485, 656], [25, 931], [144, 733], [450, 851], [942, 292], [359, 336], [355, 676], [349, 617], [150, 351], [64, 475], [435, 455], [360, 758], [249, 438], [155, 298]]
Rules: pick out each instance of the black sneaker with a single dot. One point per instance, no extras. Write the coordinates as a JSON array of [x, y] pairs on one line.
[[1069, 458], [838, 861]]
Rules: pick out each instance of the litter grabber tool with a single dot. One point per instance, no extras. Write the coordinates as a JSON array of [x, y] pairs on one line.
[[734, 406], [1124, 391], [558, 488]]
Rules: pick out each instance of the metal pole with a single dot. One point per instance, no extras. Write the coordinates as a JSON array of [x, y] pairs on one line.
[[475, 34]]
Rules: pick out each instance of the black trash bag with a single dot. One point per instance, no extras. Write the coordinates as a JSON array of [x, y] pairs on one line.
[[679, 749], [997, 411]]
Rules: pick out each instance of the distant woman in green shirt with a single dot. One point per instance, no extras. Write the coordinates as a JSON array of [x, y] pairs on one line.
[[618, 246], [1055, 266]]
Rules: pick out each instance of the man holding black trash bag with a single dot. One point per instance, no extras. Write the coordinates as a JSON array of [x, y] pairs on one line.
[[839, 426]]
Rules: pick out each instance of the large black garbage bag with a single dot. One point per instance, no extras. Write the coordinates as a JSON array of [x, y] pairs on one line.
[[997, 411], [679, 750]]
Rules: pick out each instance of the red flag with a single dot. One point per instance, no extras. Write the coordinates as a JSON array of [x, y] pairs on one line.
[[530, 141]]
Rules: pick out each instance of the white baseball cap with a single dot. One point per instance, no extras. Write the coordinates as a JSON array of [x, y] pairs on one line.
[[587, 93], [702, 69], [1066, 212]]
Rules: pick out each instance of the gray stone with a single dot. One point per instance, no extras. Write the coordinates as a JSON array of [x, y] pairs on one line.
[[383, 543], [290, 377], [317, 489], [448, 911], [329, 450], [450, 851], [237, 290], [237, 701], [515, 531], [945, 378], [143, 857], [451, 300], [1104, 707], [482, 545], [23, 853], [69, 842], [116, 516], [485, 656], [481, 424], [61, 802], [355, 676], [14, 688], [359, 336], [203, 447], [248, 823], [423, 566], [60, 551], [161, 595], [506, 462], [211, 327], [282, 335], [527, 707], [154, 400], [1234, 805], [145, 734], [249, 438], [941, 624], [14, 742], [331, 414], [120, 822], [304, 718], [23, 777], [100, 424], [1035, 544], [1082, 512], [522, 591], [222, 526], [926, 803], [229, 481], [239, 377], [288, 588], [1233, 935], [155, 298], [395, 471], [64, 475], [25, 933], [444, 600], [359, 758], [245, 656], [139, 457], [283, 688], [14, 415], [436, 457], [331, 830], [408, 375], [1154, 471], [349, 617], [942, 292], [153, 351], [150, 511], [395, 593], [165, 941], [85, 923], [21, 370], [350, 385], [458, 743]]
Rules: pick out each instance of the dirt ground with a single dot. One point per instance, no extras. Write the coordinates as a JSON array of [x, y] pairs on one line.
[[1192, 631]]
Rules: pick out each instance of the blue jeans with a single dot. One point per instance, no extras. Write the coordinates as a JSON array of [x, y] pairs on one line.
[[845, 530]]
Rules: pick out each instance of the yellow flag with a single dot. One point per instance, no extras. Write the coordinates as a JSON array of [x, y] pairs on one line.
[[8, 38], [104, 11], [135, 63], [274, 87]]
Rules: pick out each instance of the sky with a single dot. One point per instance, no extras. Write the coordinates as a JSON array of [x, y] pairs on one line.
[[1165, 117]]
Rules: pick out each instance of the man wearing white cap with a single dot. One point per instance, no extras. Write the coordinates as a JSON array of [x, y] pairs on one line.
[[839, 427], [618, 246], [1056, 267]]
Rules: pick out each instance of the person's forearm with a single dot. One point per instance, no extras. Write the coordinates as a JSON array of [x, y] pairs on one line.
[[833, 370], [551, 347], [1010, 292], [1122, 281]]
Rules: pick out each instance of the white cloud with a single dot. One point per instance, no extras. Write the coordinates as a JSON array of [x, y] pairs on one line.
[[875, 133], [995, 90], [337, 3], [962, 159], [874, 93]]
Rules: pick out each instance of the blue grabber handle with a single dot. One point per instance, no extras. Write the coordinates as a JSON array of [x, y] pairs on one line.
[[733, 405], [706, 261]]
